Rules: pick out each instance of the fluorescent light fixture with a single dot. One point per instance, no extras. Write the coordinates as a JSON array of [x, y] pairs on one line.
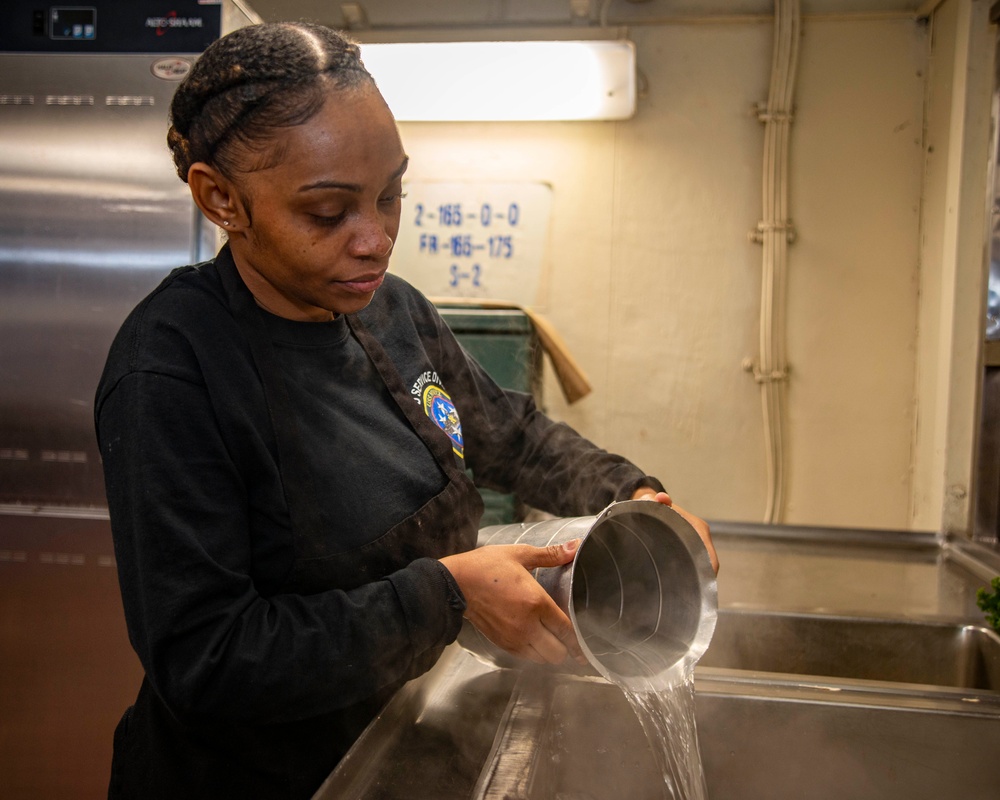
[[505, 81]]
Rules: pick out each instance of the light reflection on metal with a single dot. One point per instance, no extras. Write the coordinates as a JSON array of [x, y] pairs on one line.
[[92, 216], [125, 259]]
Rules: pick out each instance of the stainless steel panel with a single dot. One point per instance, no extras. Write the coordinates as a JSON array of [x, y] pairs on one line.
[[92, 217], [67, 671]]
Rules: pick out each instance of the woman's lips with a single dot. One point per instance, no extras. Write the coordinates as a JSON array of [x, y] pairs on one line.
[[366, 284]]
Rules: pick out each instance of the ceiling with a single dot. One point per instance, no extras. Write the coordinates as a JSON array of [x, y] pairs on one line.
[[430, 14]]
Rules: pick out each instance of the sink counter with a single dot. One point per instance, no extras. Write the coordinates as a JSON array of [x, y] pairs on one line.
[[857, 572]]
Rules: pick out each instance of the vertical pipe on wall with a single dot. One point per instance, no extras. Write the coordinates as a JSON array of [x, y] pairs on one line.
[[774, 232]]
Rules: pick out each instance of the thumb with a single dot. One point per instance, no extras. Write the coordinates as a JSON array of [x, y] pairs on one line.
[[554, 555]]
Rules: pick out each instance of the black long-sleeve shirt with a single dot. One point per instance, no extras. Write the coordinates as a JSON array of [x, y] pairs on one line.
[[201, 522]]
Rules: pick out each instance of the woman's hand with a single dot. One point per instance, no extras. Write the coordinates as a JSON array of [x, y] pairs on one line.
[[645, 493], [509, 607]]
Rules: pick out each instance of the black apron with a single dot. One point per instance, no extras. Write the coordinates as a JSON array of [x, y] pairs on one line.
[[157, 755]]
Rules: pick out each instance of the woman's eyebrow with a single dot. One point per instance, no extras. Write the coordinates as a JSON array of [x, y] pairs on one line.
[[350, 187], [402, 168]]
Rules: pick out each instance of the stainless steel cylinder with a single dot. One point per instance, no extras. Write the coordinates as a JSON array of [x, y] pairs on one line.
[[641, 592]]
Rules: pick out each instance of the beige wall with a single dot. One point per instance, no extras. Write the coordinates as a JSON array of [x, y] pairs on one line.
[[852, 302], [652, 281]]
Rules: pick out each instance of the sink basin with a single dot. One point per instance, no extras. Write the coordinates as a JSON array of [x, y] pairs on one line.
[[942, 654]]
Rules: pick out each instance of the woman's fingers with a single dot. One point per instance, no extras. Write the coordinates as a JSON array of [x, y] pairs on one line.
[[548, 650], [552, 640], [508, 605], [553, 555], [646, 493], [564, 632], [700, 526], [703, 531]]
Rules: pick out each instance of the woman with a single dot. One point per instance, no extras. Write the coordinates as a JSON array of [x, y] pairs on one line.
[[294, 529]]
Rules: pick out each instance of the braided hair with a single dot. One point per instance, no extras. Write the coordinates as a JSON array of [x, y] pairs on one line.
[[252, 82]]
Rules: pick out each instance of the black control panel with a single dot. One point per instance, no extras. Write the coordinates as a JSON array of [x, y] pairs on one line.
[[67, 23], [110, 26]]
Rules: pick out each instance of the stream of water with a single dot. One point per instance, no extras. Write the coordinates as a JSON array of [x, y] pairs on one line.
[[667, 718]]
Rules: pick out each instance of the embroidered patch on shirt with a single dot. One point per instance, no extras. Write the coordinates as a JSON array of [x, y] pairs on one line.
[[439, 408]]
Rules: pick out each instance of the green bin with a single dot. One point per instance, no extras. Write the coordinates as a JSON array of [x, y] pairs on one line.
[[504, 343]]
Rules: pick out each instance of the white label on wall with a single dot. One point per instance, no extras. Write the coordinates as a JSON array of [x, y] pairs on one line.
[[474, 240]]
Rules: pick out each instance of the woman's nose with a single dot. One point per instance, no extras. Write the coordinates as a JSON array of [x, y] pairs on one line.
[[372, 239]]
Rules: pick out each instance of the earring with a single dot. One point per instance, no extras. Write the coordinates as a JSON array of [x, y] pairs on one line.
[[225, 222]]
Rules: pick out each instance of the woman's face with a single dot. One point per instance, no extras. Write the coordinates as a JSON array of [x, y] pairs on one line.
[[323, 215]]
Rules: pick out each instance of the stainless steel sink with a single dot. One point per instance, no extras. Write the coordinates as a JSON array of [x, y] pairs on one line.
[[841, 666], [468, 730], [930, 652]]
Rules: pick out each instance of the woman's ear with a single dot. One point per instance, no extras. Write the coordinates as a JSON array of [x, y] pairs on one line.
[[216, 196]]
